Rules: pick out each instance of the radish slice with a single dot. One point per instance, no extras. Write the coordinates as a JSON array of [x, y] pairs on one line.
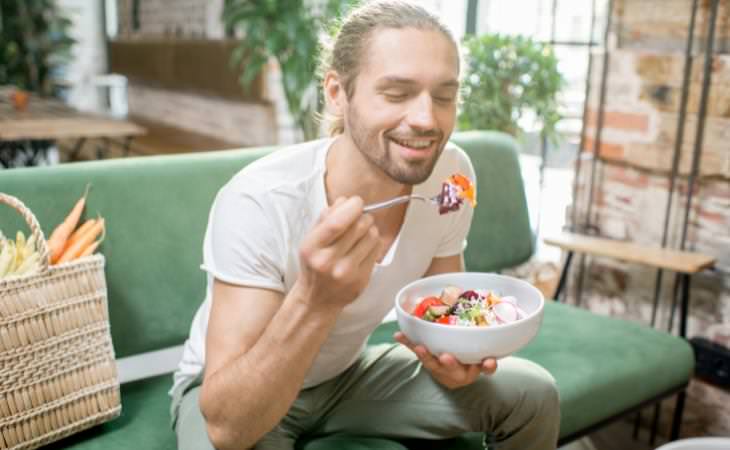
[[521, 314], [505, 312], [510, 299]]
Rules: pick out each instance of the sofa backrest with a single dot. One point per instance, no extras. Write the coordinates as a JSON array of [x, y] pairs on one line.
[[500, 236], [156, 210]]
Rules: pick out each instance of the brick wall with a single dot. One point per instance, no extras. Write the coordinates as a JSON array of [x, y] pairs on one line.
[[641, 113], [190, 18], [89, 54]]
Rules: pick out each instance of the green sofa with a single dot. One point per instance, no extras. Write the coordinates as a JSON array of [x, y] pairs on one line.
[[156, 210]]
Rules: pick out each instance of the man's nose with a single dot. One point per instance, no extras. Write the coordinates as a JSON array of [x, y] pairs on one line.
[[420, 115]]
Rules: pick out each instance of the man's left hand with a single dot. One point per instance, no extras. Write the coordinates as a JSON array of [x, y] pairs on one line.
[[445, 368]]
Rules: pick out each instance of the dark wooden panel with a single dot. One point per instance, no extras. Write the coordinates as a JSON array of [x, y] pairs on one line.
[[199, 66]]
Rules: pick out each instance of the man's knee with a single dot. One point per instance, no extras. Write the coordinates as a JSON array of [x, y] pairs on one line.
[[541, 385], [190, 427], [536, 389], [519, 386]]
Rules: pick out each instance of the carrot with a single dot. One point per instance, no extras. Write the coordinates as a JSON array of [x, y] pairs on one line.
[[75, 250], [57, 241], [80, 231], [90, 249], [93, 246]]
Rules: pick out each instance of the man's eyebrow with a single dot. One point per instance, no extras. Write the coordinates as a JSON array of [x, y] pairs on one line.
[[389, 81]]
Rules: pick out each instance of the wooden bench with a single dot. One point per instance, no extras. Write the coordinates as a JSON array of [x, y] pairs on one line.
[[684, 263]]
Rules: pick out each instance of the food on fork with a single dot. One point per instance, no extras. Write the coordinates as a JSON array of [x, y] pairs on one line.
[[454, 191]]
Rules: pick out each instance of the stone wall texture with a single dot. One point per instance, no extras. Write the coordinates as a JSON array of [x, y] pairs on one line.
[[631, 188]]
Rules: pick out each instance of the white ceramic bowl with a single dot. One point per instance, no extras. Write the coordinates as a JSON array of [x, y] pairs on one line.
[[471, 345], [716, 443]]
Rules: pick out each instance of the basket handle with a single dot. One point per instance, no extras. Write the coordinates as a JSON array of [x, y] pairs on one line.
[[32, 222]]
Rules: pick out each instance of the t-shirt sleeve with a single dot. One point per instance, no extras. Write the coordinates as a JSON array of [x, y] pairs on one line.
[[453, 241], [242, 246]]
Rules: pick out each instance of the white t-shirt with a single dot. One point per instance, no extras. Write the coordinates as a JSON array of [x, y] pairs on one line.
[[259, 218]]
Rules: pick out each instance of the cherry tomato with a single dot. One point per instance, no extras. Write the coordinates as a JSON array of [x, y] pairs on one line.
[[422, 307]]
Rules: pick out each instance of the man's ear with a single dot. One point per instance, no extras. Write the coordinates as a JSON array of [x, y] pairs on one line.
[[334, 93]]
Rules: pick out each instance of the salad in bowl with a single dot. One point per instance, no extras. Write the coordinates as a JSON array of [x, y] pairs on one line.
[[471, 315]]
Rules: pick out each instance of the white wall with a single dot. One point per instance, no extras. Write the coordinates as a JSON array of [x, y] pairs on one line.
[[89, 54]]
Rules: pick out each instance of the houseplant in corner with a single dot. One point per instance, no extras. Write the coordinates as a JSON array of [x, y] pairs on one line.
[[510, 84], [289, 31], [508, 79], [35, 43]]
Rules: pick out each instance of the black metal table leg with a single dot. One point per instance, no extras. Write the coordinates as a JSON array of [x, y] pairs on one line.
[[563, 276], [684, 311], [655, 422], [77, 149], [103, 148], [677, 420], [684, 280], [127, 144]]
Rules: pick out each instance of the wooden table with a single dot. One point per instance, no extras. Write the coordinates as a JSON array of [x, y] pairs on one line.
[[47, 120], [684, 263]]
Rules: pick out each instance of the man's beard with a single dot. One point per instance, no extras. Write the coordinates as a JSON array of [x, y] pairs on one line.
[[370, 147]]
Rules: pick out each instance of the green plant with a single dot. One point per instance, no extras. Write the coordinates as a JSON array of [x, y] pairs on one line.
[[287, 30], [34, 43], [505, 78]]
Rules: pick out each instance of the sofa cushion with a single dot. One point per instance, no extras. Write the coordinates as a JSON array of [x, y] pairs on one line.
[[598, 377]]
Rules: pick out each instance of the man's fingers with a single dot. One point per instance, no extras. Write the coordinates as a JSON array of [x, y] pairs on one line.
[[335, 222], [427, 359], [400, 337], [356, 233], [463, 373], [473, 372], [367, 249], [446, 364], [362, 256], [327, 210], [450, 362], [489, 366]]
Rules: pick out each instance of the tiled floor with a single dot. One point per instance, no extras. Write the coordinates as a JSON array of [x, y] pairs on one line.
[[618, 436]]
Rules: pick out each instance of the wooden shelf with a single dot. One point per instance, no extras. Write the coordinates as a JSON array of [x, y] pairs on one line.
[[675, 260]]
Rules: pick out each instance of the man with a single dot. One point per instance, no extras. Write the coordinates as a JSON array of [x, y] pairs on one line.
[[299, 276]]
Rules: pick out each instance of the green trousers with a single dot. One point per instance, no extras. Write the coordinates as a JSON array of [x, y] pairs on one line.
[[388, 393]]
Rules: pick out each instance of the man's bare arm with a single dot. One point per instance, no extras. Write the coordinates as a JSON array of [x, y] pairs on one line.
[[261, 344], [259, 347]]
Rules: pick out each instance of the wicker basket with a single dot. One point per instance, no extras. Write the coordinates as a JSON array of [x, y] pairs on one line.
[[57, 370]]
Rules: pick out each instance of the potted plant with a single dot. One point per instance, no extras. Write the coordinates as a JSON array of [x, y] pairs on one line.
[[506, 79], [509, 79], [289, 31], [34, 43]]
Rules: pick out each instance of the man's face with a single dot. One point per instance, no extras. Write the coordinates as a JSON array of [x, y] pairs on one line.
[[404, 105]]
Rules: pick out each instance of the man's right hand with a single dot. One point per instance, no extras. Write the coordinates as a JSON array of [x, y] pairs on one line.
[[337, 256]]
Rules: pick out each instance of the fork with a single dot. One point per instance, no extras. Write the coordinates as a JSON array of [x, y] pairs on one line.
[[398, 200]]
